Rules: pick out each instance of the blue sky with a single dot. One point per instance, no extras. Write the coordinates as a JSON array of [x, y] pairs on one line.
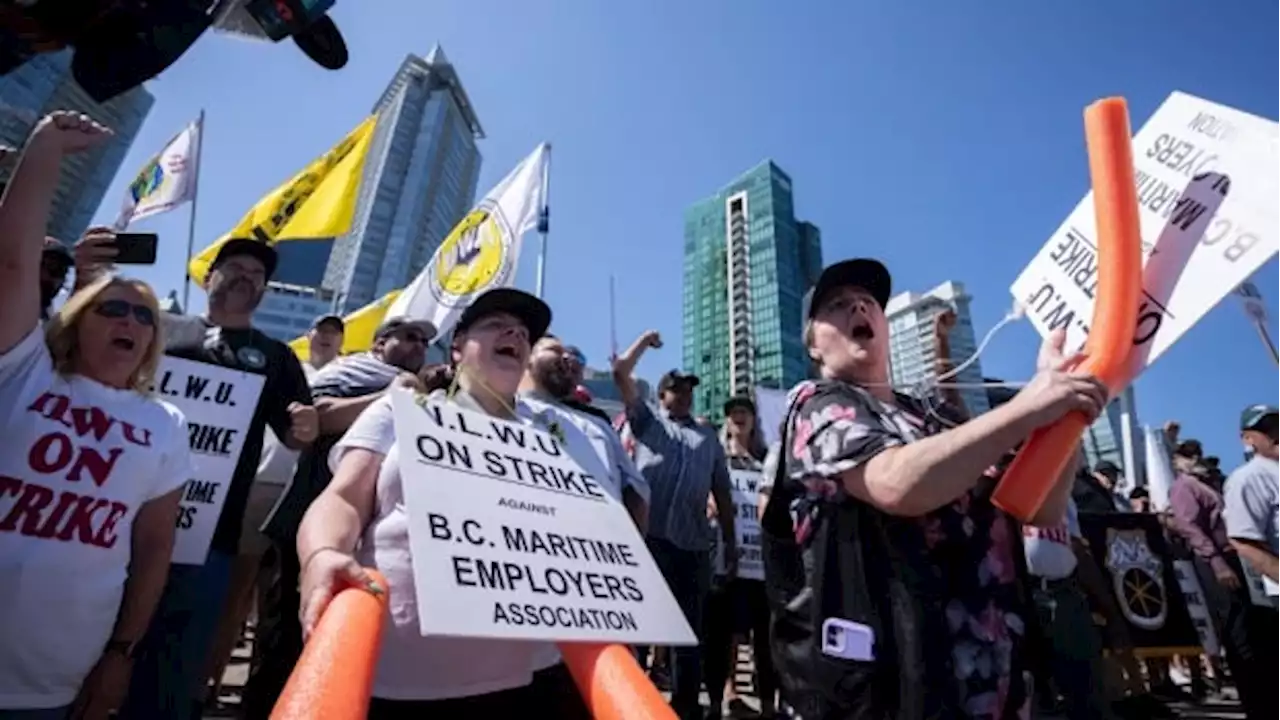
[[943, 138]]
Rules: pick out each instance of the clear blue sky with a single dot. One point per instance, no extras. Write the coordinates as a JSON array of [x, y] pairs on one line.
[[946, 141]]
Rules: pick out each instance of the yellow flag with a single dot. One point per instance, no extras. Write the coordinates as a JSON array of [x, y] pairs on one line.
[[360, 327], [316, 204]]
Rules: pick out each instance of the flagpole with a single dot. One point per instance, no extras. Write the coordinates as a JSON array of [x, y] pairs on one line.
[[1266, 340], [613, 324], [544, 223], [191, 219]]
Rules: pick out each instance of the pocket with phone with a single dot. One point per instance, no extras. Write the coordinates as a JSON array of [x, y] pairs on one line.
[[135, 248]]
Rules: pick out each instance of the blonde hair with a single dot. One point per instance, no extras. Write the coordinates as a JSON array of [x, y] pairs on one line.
[[62, 338]]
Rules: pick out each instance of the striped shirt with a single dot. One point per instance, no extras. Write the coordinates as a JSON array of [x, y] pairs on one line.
[[681, 460]]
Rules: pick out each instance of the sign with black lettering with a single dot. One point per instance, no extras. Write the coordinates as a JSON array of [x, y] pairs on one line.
[[515, 534], [746, 525], [1206, 189], [1197, 607], [218, 404]]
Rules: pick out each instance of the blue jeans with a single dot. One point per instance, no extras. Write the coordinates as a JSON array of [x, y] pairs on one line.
[[58, 713], [688, 574], [173, 657]]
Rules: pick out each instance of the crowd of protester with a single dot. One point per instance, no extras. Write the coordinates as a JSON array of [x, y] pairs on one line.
[[893, 586]]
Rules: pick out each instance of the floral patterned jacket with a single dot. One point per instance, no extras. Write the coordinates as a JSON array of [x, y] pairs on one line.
[[957, 568]]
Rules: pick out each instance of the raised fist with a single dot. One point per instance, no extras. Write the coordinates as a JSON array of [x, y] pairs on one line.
[[70, 132]]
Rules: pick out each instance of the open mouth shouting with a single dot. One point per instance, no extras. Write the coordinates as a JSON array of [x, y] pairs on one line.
[[862, 330], [509, 349], [123, 342]]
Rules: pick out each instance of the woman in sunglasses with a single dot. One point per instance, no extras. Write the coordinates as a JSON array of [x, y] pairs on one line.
[[93, 466]]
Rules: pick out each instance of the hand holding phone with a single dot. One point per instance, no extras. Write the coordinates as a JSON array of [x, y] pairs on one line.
[[135, 248]]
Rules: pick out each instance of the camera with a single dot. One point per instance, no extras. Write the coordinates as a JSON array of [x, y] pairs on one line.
[[119, 44]]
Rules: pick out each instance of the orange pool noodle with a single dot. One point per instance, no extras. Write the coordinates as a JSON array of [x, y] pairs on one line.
[[612, 684], [333, 679], [1028, 481]]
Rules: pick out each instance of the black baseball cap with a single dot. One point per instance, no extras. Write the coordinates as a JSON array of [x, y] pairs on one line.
[[535, 314], [739, 401], [332, 321], [870, 275], [391, 326], [1253, 416], [673, 378], [1107, 469], [264, 252], [54, 248], [1190, 449]]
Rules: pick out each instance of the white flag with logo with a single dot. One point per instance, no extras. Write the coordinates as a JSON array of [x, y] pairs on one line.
[[482, 251], [166, 181]]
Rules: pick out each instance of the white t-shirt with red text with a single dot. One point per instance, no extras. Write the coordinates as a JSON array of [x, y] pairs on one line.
[[79, 459]]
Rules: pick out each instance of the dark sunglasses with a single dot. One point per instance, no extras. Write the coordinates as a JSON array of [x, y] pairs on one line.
[[413, 337], [117, 309]]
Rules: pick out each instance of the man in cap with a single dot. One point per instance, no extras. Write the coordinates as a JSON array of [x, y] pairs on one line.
[[1251, 515], [170, 671], [324, 342], [549, 386], [684, 463], [1094, 490], [882, 525], [343, 389], [1199, 518]]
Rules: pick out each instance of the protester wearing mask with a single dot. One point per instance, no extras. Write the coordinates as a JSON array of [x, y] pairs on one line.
[[1253, 524], [343, 389], [360, 520], [896, 590], [548, 386], [684, 463], [84, 543], [736, 606], [170, 676]]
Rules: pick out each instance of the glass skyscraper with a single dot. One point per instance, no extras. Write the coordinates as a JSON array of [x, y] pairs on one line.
[[748, 263], [911, 348], [45, 84], [419, 180]]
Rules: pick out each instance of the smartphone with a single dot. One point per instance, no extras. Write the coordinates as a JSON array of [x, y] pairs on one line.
[[136, 248]]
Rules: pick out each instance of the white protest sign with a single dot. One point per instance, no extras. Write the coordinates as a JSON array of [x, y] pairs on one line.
[[1207, 189], [771, 409], [745, 490], [219, 404], [1261, 590], [1185, 571], [746, 493], [513, 536]]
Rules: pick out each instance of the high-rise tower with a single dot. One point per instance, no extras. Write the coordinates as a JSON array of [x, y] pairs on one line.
[[747, 264]]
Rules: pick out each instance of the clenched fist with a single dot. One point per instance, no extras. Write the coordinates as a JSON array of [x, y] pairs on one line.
[[69, 132], [304, 423]]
